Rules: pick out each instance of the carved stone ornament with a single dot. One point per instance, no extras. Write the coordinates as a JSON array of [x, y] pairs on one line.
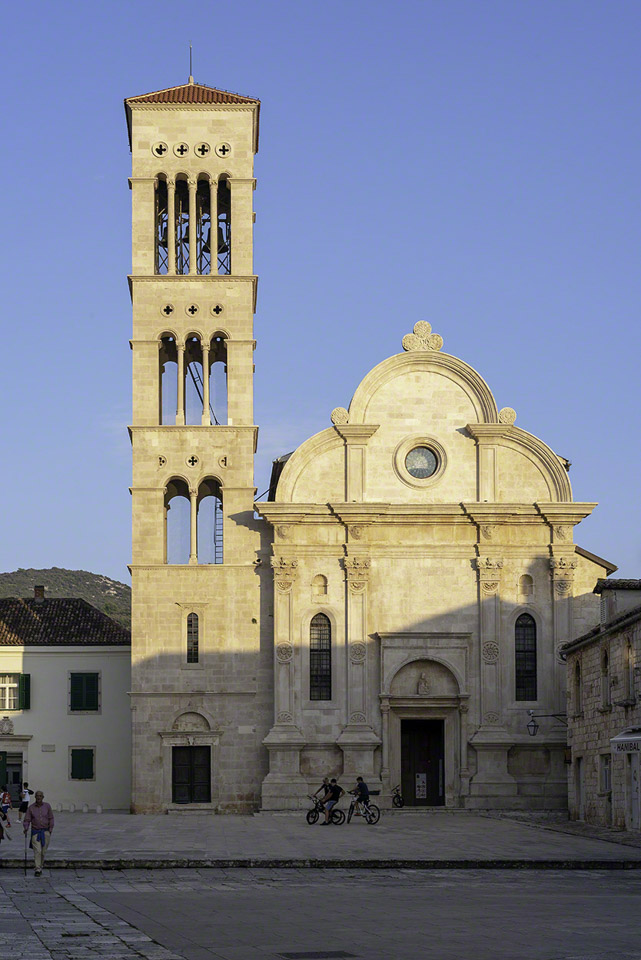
[[284, 717], [422, 338], [488, 565], [283, 531], [563, 565], [356, 573], [357, 718], [507, 415], [357, 652], [284, 652], [489, 586], [559, 653], [562, 587], [490, 651], [284, 572], [339, 415], [6, 727], [487, 531], [491, 718], [423, 686], [562, 532], [357, 531], [463, 707]]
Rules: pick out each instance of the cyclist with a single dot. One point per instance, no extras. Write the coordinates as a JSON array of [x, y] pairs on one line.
[[324, 787], [361, 792], [331, 798]]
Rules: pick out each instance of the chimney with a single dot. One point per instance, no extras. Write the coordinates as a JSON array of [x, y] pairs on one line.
[[39, 593]]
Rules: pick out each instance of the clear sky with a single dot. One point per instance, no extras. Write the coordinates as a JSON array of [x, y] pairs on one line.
[[474, 164]]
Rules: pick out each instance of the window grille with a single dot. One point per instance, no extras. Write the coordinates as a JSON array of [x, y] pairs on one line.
[[320, 658], [525, 657], [192, 638]]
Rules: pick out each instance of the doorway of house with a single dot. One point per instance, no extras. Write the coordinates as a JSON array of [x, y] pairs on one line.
[[191, 775], [14, 776], [423, 762], [634, 791]]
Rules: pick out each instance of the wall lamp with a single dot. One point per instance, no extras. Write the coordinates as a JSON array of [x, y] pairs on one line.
[[533, 726]]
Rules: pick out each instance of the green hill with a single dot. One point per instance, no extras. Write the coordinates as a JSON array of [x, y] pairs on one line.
[[110, 596]]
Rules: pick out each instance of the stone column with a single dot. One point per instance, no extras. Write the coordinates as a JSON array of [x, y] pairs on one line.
[[465, 773], [206, 414], [180, 392], [171, 227], [356, 437], [385, 708], [193, 259], [489, 570], [213, 228], [285, 572], [193, 526], [562, 575]]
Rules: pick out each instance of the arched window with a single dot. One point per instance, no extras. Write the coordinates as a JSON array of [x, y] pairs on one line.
[[578, 690], [192, 638], [605, 679], [218, 379], [223, 232], [193, 379], [181, 206], [177, 522], [320, 658], [210, 522], [161, 261], [525, 657], [168, 379], [203, 227], [319, 586]]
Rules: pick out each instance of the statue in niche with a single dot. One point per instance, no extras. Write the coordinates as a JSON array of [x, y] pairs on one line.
[[423, 685]]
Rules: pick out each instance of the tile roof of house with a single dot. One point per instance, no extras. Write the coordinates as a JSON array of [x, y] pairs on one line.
[[596, 633], [620, 584], [191, 93], [57, 621]]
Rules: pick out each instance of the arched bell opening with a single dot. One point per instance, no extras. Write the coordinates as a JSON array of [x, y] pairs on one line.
[[203, 226], [161, 219], [193, 379], [210, 521], [218, 378], [224, 225], [177, 521], [181, 214], [168, 379]]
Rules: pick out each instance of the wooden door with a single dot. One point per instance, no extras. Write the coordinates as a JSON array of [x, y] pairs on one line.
[[423, 762], [191, 775]]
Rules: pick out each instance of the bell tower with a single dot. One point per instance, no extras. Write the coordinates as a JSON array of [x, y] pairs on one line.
[[196, 650]]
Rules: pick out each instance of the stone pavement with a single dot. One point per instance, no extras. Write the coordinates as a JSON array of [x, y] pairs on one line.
[[456, 839], [262, 914]]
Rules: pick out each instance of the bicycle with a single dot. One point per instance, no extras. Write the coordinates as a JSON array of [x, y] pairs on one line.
[[369, 811], [336, 816], [397, 799]]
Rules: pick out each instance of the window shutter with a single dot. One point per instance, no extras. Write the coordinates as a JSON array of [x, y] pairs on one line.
[[76, 688], [91, 691], [24, 691], [82, 765], [84, 691]]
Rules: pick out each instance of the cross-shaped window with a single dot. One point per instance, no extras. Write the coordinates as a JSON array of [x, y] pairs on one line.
[[217, 309], [202, 149], [192, 309], [224, 149], [159, 149], [167, 309], [182, 149], [192, 461]]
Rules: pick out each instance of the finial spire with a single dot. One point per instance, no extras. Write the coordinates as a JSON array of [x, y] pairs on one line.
[[191, 79]]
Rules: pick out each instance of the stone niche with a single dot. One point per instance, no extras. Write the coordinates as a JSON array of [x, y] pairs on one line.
[[321, 762], [424, 678], [190, 723]]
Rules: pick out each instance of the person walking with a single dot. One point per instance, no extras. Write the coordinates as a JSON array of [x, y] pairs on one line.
[[25, 796], [39, 817], [5, 803]]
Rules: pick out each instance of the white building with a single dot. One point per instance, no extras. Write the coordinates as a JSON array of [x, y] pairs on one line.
[[64, 707]]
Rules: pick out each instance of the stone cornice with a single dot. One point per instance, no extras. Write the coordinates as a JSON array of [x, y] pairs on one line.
[[564, 513], [356, 432], [198, 278]]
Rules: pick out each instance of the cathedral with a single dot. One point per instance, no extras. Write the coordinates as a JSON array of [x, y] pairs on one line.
[[397, 605]]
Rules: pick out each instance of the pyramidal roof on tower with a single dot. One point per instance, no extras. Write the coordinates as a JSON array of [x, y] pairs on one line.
[[188, 93]]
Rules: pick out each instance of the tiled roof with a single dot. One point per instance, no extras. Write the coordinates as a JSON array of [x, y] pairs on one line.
[[620, 584], [57, 621], [627, 618], [191, 93]]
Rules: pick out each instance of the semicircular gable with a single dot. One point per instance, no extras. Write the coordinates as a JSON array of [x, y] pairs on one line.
[[456, 370], [313, 451], [544, 459]]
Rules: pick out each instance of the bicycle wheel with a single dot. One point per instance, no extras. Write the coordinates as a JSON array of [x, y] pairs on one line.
[[373, 814], [350, 812], [398, 801], [338, 817], [311, 816]]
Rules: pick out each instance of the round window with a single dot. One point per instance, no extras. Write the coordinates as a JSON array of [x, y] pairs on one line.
[[421, 463]]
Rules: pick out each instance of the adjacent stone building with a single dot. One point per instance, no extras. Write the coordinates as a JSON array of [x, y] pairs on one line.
[[64, 708], [604, 711], [396, 606]]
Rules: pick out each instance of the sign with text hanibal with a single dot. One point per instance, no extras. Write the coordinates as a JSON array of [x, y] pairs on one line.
[[627, 742]]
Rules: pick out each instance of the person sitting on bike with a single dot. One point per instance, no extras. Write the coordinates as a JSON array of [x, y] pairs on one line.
[[331, 798], [324, 787], [361, 791]]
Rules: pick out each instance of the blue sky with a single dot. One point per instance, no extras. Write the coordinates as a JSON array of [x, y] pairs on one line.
[[474, 164]]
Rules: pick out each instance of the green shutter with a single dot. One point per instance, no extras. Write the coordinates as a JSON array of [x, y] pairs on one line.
[[82, 764], [24, 691], [91, 691], [84, 691], [77, 687]]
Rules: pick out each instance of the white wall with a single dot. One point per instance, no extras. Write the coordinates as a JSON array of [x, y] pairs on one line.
[[48, 722]]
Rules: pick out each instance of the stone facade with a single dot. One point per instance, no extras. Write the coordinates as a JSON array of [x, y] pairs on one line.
[[604, 703], [365, 622]]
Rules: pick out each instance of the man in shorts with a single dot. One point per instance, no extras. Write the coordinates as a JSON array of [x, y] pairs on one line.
[[361, 792], [331, 798]]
